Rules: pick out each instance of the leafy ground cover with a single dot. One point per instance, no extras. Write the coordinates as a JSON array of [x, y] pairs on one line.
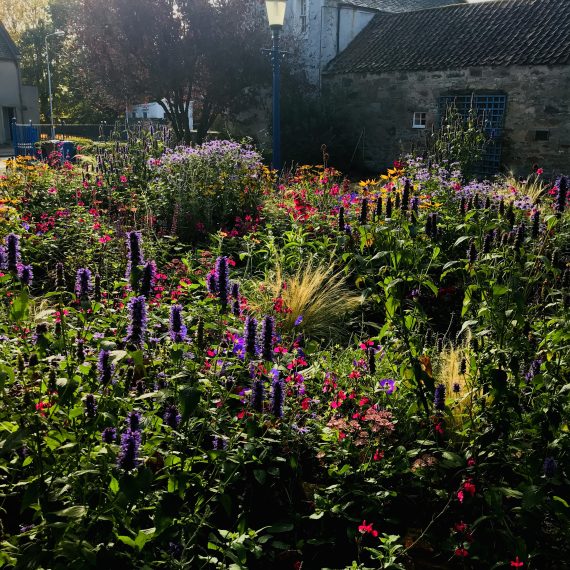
[[201, 368]]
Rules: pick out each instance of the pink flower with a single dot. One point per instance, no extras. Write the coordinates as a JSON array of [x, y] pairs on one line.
[[123, 179], [539, 171], [367, 528], [105, 239], [517, 563], [52, 190]]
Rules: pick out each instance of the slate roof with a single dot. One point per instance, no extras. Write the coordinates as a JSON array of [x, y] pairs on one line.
[[400, 5], [497, 33], [8, 49]]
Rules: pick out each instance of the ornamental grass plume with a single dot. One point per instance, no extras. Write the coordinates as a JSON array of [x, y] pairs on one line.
[[137, 321], [316, 292], [178, 330]]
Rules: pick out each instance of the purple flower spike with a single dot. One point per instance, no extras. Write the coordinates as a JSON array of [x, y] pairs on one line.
[[129, 454], [83, 285], [25, 274], [178, 330], [137, 321]]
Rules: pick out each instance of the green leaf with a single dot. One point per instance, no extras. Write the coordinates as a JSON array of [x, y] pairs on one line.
[[19, 306], [561, 500], [144, 536], [499, 290], [127, 540], [280, 527], [75, 512], [460, 240], [114, 486]]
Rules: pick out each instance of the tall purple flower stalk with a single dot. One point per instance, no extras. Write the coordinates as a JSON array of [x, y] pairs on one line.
[[250, 334], [108, 435], [341, 219], [59, 276], [257, 395], [12, 252], [3, 259], [439, 398], [148, 279], [222, 281], [83, 285], [178, 330], [171, 416], [135, 253], [137, 321], [25, 274], [561, 197], [364, 211], [90, 406], [129, 454], [277, 396], [267, 330], [105, 367], [133, 420]]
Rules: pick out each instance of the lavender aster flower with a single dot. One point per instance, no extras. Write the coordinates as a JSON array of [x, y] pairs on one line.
[[388, 385], [12, 252], [277, 397], [148, 279], [90, 406], [267, 330], [172, 417], [129, 454], [177, 329], [257, 395], [439, 398], [135, 254], [25, 274], [137, 321], [83, 284], [250, 333], [108, 435], [105, 367]]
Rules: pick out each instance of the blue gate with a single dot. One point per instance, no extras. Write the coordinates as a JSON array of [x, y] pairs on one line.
[[491, 108], [24, 139]]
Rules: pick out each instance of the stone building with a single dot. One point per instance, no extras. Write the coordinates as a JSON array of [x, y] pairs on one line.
[[318, 30], [16, 100], [509, 59]]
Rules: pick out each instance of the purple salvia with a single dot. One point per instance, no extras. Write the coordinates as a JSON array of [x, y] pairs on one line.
[[236, 309], [561, 197], [439, 398], [250, 334], [3, 259], [172, 417], [341, 219], [212, 283], [83, 285], [389, 207], [257, 395], [137, 321], [133, 420], [235, 290], [108, 435], [223, 281], [267, 330], [90, 406], [277, 396], [12, 252], [148, 279], [25, 274], [364, 211], [105, 367], [535, 224], [472, 253], [129, 454], [135, 254], [178, 330]]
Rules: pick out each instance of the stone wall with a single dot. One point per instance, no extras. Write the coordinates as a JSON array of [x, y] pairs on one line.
[[377, 111]]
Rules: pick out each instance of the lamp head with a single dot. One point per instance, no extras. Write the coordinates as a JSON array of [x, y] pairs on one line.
[[276, 12]]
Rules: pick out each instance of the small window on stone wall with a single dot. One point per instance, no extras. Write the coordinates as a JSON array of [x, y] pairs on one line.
[[541, 135], [420, 119]]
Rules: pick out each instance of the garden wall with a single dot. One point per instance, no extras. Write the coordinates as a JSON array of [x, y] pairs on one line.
[[378, 111]]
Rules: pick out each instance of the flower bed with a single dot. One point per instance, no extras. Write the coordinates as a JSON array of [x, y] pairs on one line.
[[367, 375]]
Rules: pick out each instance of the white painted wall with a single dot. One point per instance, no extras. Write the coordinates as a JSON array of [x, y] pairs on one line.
[[155, 111], [330, 27]]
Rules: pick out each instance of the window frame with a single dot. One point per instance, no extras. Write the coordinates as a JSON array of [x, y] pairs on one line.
[[421, 122]]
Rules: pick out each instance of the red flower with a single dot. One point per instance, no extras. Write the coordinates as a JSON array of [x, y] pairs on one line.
[[367, 528], [461, 552], [378, 455], [517, 563]]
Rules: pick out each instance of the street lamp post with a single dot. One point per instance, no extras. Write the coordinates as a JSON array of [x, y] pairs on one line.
[[276, 18], [58, 33]]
